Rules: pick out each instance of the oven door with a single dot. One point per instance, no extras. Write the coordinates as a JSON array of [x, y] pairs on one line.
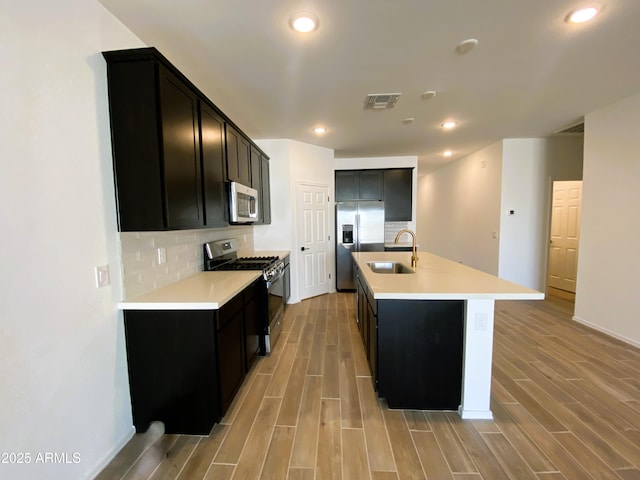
[[275, 300]]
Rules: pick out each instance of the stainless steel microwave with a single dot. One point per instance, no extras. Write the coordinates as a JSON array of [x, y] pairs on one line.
[[243, 203]]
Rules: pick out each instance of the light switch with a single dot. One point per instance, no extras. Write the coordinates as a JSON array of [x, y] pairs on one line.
[[102, 276]]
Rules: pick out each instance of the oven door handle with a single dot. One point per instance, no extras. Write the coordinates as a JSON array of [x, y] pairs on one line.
[[274, 280]]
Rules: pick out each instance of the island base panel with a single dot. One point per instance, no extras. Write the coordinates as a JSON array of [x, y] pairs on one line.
[[420, 353]]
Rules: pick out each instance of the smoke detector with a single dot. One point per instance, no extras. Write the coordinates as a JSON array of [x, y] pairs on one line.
[[381, 101]]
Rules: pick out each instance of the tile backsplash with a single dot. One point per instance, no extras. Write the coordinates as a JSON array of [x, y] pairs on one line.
[[391, 229], [140, 267]]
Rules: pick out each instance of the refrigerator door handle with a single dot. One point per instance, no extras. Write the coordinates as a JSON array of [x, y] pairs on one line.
[[356, 235]]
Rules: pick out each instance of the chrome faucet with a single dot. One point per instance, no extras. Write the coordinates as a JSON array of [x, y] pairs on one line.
[[414, 253]]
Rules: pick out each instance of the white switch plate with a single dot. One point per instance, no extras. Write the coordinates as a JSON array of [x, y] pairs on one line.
[[102, 276], [162, 256]]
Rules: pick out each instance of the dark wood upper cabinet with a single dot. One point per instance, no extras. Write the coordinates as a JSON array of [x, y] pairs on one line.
[[212, 130], [266, 189], [260, 181], [156, 147], [346, 185], [398, 189], [238, 160], [359, 185], [173, 149], [393, 186], [370, 185], [181, 152]]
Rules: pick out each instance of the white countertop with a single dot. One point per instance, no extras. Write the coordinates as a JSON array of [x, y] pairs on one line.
[[437, 278], [203, 291]]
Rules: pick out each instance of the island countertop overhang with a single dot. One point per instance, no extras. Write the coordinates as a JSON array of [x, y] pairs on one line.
[[436, 278]]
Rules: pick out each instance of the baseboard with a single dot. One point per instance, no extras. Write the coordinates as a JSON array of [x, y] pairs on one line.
[[111, 454], [610, 333]]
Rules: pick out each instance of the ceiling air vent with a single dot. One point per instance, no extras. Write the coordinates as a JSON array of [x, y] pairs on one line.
[[381, 101], [576, 128]]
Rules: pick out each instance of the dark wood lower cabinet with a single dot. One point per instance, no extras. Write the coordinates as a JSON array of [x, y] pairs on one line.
[[173, 375], [186, 366]]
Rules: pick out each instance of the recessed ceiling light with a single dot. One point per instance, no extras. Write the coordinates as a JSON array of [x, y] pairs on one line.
[[448, 125], [320, 130], [581, 15], [447, 153], [304, 22], [466, 46]]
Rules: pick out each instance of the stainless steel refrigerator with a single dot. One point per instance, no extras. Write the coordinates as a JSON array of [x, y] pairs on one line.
[[359, 228]]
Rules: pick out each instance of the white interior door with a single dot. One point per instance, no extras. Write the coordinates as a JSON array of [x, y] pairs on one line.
[[565, 235], [313, 240]]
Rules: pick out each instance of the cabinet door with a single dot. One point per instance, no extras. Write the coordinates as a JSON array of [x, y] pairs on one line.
[[398, 184], [287, 281], [238, 162], [370, 185], [168, 382], [372, 326], [362, 311], [230, 351], [256, 177], [213, 167], [181, 152], [265, 190], [254, 308], [346, 185], [256, 180]]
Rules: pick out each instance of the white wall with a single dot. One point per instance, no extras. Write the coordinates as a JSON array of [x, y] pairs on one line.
[[459, 209], [291, 163], [608, 265], [529, 167], [526, 190], [462, 205], [62, 361]]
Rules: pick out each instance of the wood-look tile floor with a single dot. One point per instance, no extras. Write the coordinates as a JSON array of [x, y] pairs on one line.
[[566, 402]]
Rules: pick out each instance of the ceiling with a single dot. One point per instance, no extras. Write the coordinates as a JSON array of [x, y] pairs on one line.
[[530, 75]]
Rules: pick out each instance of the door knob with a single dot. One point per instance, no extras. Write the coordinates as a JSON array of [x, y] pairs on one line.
[[302, 249]]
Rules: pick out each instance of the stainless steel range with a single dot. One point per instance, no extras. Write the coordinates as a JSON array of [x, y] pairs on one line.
[[223, 255]]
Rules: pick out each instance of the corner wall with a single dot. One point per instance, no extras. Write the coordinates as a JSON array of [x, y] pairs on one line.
[[63, 364], [608, 264]]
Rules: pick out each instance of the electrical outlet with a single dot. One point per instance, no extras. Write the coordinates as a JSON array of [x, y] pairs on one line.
[[482, 322], [102, 276], [162, 256]]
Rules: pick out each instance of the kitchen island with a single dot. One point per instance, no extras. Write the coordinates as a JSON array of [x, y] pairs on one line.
[[443, 308]]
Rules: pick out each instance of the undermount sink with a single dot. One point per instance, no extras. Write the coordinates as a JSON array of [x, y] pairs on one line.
[[389, 267]]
